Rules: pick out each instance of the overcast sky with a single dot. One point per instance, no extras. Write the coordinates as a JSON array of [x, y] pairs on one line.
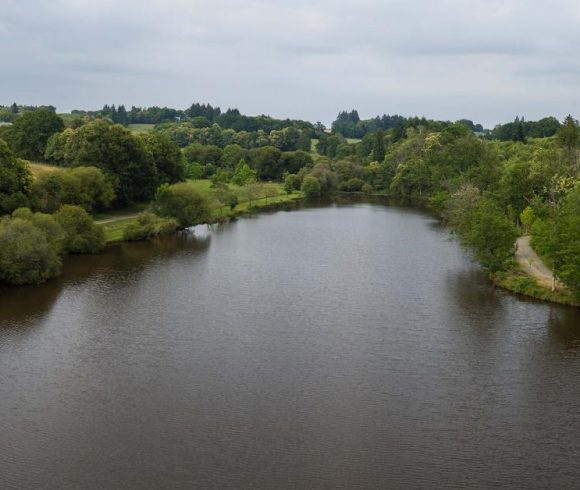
[[486, 60]]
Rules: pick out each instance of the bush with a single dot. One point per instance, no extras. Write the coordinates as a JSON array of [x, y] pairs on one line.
[[243, 174], [311, 186], [31, 130], [182, 202], [292, 183], [149, 225], [352, 185], [195, 171], [27, 256], [47, 224], [81, 233]]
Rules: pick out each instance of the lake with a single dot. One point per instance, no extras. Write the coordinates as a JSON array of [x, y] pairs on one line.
[[339, 346]]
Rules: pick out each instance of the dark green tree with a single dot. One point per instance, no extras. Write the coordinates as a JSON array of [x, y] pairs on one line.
[[122, 117], [31, 130], [15, 180], [118, 153], [182, 202], [26, 254], [519, 133], [166, 156], [266, 162], [82, 236], [311, 186], [379, 150]]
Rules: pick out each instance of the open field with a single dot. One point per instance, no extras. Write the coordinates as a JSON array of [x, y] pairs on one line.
[[41, 168], [141, 128], [313, 152]]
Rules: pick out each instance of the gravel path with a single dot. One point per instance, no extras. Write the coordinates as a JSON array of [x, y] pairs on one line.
[[531, 263]]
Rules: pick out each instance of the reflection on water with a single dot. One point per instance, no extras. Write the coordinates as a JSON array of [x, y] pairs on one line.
[[342, 345], [564, 327], [19, 304]]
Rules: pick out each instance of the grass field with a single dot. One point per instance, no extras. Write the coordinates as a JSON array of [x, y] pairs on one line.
[[141, 128], [519, 282], [313, 152], [41, 168], [119, 219]]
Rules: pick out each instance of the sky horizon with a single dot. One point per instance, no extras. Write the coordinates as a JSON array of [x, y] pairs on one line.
[[451, 59]]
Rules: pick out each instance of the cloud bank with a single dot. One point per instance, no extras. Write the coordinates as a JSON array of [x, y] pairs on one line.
[[449, 59]]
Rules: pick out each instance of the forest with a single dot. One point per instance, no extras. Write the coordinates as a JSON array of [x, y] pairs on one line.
[[489, 186]]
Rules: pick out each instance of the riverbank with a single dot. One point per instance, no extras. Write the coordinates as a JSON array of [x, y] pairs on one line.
[[517, 281], [529, 276], [261, 198], [532, 277]]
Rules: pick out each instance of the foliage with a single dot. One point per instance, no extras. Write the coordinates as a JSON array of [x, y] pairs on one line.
[[166, 157], [557, 236], [379, 151], [293, 161], [195, 171], [232, 156], [117, 152], [243, 174], [47, 223], [327, 179], [83, 186], [483, 227], [527, 218], [311, 186], [148, 225], [266, 162], [81, 234], [292, 183], [352, 185], [29, 249], [30, 132], [15, 179], [491, 236], [519, 130], [225, 196], [182, 202]]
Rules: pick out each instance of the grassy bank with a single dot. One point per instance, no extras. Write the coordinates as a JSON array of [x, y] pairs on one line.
[[115, 228], [140, 128], [519, 282], [37, 169]]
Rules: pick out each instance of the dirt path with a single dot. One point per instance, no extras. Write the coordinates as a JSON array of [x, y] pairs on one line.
[[116, 218], [532, 264]]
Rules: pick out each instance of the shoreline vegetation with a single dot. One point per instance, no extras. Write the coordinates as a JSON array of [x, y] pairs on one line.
[[72, 183], [267, 196]]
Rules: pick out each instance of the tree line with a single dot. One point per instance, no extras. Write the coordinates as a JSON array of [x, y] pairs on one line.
[[350, 125], [487, 189], [200, 115]]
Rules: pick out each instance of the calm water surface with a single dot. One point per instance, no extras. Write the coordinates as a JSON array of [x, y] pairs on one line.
[[345, 346]]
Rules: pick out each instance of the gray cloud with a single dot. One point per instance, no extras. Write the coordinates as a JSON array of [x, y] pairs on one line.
[[447, 59]]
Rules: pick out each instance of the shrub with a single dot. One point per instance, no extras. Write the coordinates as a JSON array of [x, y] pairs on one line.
[[27, 256], [292, 183], [182, 202], [149, 225], [311, 186], [81, 233], [352, 185]]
